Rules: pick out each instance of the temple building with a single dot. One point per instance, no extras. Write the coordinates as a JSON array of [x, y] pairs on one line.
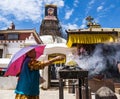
[[92, 36], [51, 35], [79, 42], [98, 52], [11, 41], [50, 24]]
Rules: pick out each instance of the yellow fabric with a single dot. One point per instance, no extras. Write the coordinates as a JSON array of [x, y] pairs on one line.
[[19, 96], [58, 62], [89, 39]]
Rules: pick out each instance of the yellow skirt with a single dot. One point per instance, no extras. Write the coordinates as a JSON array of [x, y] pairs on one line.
[[19, 96]]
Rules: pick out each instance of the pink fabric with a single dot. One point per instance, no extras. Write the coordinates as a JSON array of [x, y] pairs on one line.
[[15, 64]]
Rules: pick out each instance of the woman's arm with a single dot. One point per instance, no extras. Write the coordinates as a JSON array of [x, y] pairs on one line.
[[36, 65]]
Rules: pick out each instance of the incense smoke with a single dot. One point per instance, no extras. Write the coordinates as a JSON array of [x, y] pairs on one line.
[[103, 60]]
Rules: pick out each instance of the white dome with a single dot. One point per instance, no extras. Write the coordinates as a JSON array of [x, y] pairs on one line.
[[48, 39]]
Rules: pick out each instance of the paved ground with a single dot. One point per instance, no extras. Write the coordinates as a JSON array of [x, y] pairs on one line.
[[45, 94]]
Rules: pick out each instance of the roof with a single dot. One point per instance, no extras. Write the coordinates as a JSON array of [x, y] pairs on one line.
[[23, 31], [90, 37], [50, 5]]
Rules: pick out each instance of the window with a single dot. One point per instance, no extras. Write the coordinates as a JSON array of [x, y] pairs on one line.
[[12, 36], [1, 53], [2, 37], [8, 55]]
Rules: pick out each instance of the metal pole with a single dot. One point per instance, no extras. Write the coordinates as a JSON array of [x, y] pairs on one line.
[[61, 94], [80, 87]]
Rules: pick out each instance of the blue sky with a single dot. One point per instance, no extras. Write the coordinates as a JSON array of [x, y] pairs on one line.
[[27, 14]]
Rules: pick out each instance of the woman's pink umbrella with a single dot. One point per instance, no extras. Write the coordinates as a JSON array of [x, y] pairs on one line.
[[14, 67]]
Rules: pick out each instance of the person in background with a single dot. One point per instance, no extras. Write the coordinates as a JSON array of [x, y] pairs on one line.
[[29, 77]]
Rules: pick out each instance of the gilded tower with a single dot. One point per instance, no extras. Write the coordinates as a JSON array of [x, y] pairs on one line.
[[50, 24]]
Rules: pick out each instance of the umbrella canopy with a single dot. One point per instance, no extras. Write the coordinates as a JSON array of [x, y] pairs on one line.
[[14, 67]]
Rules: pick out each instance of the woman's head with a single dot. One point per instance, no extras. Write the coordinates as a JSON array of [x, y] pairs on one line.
[[31, 54]]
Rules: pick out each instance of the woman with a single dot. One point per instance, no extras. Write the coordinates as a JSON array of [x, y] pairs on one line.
[[28, 82]]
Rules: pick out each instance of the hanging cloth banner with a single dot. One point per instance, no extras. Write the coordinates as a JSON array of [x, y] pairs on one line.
[[90, 39]]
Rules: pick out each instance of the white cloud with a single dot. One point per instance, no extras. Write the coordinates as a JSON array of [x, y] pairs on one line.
[[68, 14], [83, 23], [83, 26], [99, 8], [109, 8], [2, 19], [76, 3], [21, 9], [24, 10], [59, 3], [90, 4], [103, 12], [70, 26], [3, 22]]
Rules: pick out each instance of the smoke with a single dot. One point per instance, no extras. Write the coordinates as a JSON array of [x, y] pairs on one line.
[[103, 60]]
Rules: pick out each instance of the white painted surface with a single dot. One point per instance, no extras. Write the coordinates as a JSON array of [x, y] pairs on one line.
[[7, 83]]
